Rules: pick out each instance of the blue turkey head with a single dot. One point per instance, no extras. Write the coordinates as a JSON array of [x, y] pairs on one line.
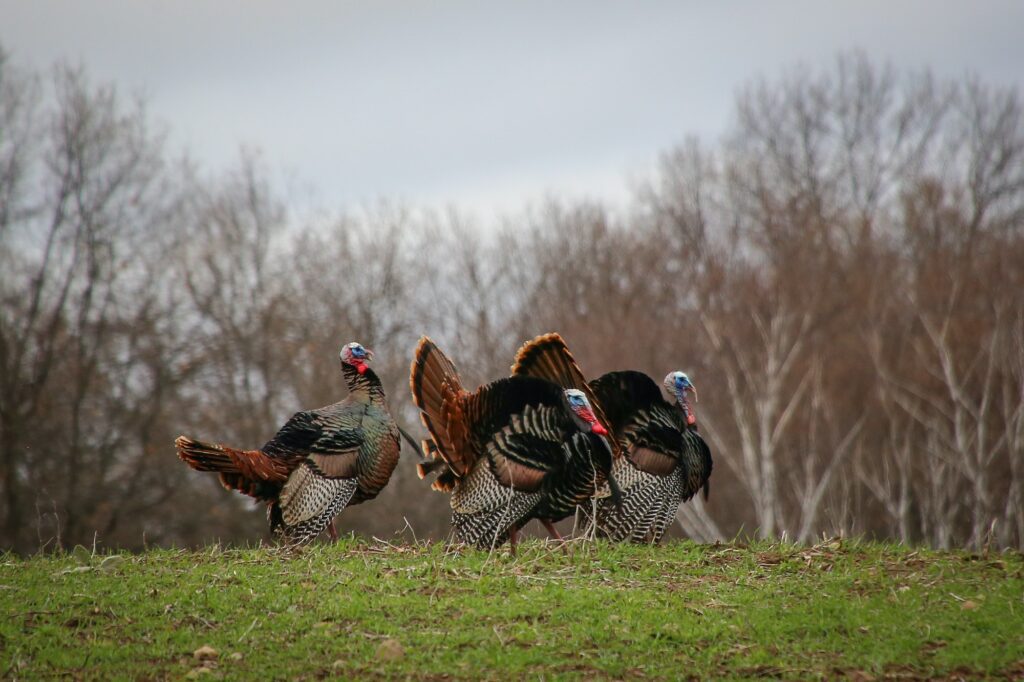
[[580, 406], [678, 384], [355, 355]]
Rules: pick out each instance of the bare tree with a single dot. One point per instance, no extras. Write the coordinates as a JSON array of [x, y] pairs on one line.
[[85, 202], [838, 274], [764, 400]]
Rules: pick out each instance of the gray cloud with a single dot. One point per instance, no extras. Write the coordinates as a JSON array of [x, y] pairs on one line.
[[482, 105]]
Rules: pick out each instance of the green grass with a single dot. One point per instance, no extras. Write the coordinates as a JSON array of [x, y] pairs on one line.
[[838, 609]]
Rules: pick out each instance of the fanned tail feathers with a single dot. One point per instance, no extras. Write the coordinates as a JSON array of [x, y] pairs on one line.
[[548, 357], [437, 391]]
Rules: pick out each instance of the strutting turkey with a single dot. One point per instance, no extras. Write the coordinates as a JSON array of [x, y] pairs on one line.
[[319, 462], [513, 450], [665, 459]]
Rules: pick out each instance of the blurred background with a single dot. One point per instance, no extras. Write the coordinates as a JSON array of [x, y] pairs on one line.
[[815, 209]]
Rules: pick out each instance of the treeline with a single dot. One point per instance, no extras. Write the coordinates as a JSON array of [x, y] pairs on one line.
[[840, 274]]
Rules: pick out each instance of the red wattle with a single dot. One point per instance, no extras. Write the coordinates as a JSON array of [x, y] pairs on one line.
[[691, 419], [361, 367], [597, 428]]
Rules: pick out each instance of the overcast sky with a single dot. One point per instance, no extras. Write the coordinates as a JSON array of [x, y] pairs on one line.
[[483, 105]]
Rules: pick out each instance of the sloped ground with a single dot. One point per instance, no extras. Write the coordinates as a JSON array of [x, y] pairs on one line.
[[359, 610]]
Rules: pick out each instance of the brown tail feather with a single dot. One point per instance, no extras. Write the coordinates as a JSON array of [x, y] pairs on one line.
[[445, 483], [429, 449], [205, 456], [428, 374], [425, 468], [437, 391], [434, 461], [548, 357], [261, 490], [246, 464]]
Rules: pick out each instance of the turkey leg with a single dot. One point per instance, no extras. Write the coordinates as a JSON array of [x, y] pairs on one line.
[[552, 530], [332, 531], [513, 536]]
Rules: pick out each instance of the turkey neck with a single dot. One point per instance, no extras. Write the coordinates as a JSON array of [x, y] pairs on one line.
[[365, 387]]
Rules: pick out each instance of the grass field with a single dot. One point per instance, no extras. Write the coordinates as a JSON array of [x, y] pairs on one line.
[[364, 610]]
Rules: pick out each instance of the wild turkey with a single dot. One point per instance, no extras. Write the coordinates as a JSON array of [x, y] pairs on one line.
[[515, 449], [320, 461], [666, 461]]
